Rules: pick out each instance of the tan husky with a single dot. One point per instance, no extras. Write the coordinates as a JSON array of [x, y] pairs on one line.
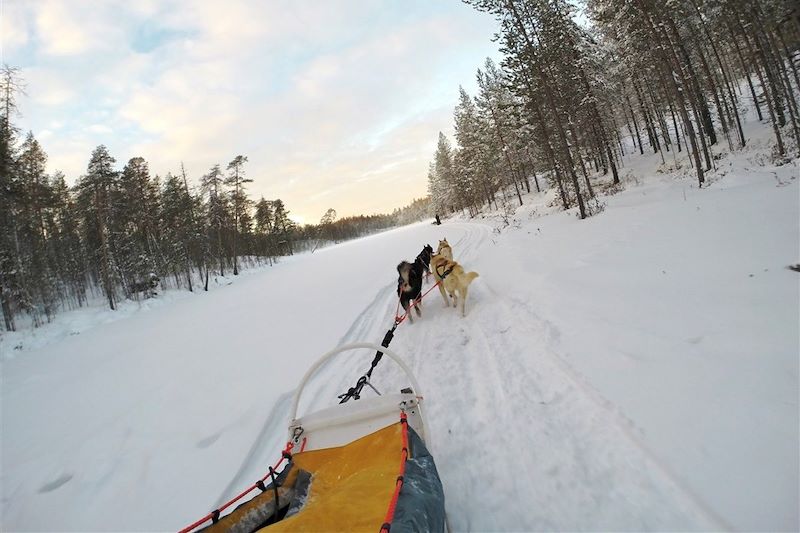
[[454, 281], [445, 249]]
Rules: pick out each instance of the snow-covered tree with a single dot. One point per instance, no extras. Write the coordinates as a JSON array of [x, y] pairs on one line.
[[236, 180]]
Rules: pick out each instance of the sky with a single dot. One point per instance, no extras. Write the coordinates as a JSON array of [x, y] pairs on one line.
[[335, 103]]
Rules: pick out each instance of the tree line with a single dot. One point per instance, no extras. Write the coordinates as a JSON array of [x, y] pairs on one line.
[[333, 229], [671, 76], [119, 234]]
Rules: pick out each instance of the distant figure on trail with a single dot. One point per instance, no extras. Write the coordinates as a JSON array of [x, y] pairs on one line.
[[438, 220]]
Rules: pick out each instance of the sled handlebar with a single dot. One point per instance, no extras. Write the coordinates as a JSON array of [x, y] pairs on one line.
[[344, 348]]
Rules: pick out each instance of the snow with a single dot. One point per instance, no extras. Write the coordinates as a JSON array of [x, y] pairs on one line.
[[96, 313], [634, 371]]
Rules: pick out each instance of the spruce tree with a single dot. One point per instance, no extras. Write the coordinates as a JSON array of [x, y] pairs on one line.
[[236, 180], [95, 191], [216, 211]]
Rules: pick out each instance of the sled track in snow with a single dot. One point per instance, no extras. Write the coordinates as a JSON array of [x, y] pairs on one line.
[[262, 452], [498, 367], [513, 319], [370, 326], [267, 445], [573, 453], [621, 423]]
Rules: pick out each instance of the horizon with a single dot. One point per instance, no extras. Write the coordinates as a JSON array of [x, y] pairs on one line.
[[337, 105]]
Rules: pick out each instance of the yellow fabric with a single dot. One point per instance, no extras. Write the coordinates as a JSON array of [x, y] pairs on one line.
[[351, 486]]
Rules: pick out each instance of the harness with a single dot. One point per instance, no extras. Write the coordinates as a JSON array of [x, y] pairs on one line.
[[446, 273], [421, 261], [355, 391]]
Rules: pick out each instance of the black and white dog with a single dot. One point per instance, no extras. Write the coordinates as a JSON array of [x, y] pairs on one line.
[[409, 282], [424, 258]]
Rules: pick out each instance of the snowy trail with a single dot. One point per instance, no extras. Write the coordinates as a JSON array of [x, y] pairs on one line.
[[262, 451], [530, 442], [166, 405], [613, 416], [569, 464], [547, 410]]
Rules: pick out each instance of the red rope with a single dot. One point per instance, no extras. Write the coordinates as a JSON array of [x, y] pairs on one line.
[[387, 522], [399, 319], [286, 452]]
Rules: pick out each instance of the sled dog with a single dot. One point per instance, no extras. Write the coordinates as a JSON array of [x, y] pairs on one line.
[[424, 258], [445, 249], [409, 280], [454, 281]]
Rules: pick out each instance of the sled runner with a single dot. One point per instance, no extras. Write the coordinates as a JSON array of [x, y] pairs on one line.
[[356, 466]]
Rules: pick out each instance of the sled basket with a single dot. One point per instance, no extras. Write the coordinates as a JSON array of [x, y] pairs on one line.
[[361, 466]]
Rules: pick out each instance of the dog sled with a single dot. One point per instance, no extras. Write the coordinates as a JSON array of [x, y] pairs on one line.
[[356, 466]]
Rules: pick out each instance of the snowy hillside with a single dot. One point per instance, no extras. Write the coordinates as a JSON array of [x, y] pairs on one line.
[[634, 371]]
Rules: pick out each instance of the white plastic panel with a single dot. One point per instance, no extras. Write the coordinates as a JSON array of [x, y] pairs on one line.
[[343, 423]]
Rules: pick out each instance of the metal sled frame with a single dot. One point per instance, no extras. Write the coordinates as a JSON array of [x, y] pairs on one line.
[[344, 423]]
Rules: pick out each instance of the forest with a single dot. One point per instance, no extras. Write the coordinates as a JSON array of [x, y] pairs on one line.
[[577, 88], [127, 234]]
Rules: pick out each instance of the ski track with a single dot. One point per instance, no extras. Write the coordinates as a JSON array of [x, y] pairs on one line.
[[564, 447]]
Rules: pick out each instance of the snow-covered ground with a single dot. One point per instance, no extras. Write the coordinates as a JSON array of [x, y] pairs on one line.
[[96, 313], [634, 371]]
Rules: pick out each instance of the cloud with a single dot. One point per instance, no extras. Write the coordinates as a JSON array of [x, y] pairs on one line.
[[13, 31], [47, 88], [99, 128], [68, 154], [59, 32], [336, 104]]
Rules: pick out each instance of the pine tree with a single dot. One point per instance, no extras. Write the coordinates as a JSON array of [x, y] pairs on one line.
[[68, 249], [216, 210], [135, 227], [284, 228], [177, 220], [264, 227], [239, 200], [95, 191], [10, 289], [34, 196], [444, 172], [326, 229], [474, 155]]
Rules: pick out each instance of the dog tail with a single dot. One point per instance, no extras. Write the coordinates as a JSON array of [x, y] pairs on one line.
[[470, 276]]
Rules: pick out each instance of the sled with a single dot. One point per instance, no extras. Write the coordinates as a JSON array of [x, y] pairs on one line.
[[356, 466]]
